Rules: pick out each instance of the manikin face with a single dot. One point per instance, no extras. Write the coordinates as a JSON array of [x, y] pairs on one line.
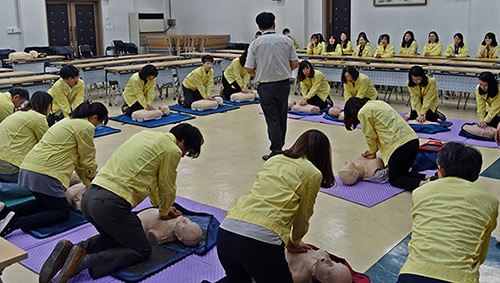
[[207, 66], [407, 37], [350, 173], [306, 71], [483, 85], [457, 40], [362, 41], [348, 77], [323, 269], [331, 40], [187, 231], [416, 80], [432, 38], [343, 36]]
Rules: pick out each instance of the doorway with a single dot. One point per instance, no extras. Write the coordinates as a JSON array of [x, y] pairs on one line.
[[338, 15]]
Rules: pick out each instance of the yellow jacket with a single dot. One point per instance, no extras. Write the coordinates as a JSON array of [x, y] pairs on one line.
[[384, 128], [462, 51], [145, 165], [19, 133], [348, 49], [336, 52], [424, 98], [452, 224], [282, 198], [66, 147], [138, 91], [387, 52], [487, 105], [367, 52], [412, 50], [200, 80], [64, 100], [6, 105], [315, 86], [362, 87], [294, 41], [318, 50], [492, 53], [434, 49], [236, 72]]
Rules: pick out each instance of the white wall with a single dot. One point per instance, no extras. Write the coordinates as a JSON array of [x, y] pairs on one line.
[[9, 18], [473, 18]]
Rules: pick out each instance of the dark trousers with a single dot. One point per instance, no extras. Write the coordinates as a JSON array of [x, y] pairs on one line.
[[399, 165], [316, 101], [244, 258], [132, 108], [494, 122], [274, 103], [190, 96], [121, 241], [54, 118], [43, 211], [429, 116], [412, 278], [229, 88]]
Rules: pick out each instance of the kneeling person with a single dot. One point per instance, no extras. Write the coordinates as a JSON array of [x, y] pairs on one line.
[[198, 84]]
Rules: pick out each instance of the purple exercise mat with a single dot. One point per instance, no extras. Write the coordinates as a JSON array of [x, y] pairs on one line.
[[320, 119], [364, 193]]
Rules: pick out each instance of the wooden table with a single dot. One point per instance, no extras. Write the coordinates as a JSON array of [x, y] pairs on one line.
[[101, 59], [125, 61], [215, 55], [15, 74], [30, 83], [236, 51], [5, 70], [457, 70], [474, 64], [10, 254], [46, 58], [35, 65]]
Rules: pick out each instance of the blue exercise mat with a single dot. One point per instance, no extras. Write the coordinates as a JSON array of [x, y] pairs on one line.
[[300, 113], [387, 268], [104, 131], [170, 253], [443, 126], [76, 219], [182, 109], [172, 118], [229, 102], [493, 171]]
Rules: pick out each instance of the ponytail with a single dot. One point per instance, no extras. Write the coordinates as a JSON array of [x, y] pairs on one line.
[[88, 109]]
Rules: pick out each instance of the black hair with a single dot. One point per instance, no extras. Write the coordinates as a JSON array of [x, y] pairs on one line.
[[352, 71], [315, 35], [344, 44], [191, 136], [408, 44], [434, 33], [88, 109], [386, 36], [331, 47], [351, 110], [207, 58], [39, 102], [417, 71], [320, 37], [461, 161], [69, 71], [461, 36], [265, 20], [146, 71], [302, 65], [285, 30], [243, 58], [23, 93], [493, 38], [258, 33], [489, 78], [363, 35]]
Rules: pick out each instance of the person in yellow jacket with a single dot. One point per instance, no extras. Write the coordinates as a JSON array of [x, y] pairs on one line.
[[235, 78], [315, 47], [68, 93], [489, 47], [423, 95], [139, 93], [409, 45], [363, 48], [314, 85], [345, 44], [275, 214], [11, 100], [453, 218], [332, 47], [143, 166], [19, 133], [384, 48], [458, 48], [286, 32], [488, 100], [198, 84], [432, 47], [66, 147], [357, 84], [386, 131]]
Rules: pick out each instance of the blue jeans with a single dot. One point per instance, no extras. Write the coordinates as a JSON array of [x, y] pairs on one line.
[[9, 187]]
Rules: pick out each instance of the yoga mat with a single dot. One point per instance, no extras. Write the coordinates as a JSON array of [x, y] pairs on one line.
[[387, 268], [104, 131], [300, 113], [182, 109], [172, 118], [14, 201], [243, 103], [493, 171], [76, 219], [363, 193]]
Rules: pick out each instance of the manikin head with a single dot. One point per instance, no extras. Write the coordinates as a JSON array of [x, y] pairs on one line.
[[186, 231], [327, 271], [350, 173]]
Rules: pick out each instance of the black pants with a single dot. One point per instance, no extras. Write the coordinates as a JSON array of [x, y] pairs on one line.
[[316, 101], [121, 241], [274, 104], [412, 278], [43, 211], [399, 165], [54, 118], [134, 107], [229, 88], [190, 96], [494, 122], [244, 258], [429, 116]]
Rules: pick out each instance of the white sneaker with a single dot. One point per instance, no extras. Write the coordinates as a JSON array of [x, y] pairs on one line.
[[7, 221], [2, 206]]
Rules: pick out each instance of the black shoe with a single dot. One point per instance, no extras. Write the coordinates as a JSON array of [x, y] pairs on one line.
[[265, 157], [70, 267], [55, 261], [440, 115], [124, 108], [7, 225]]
